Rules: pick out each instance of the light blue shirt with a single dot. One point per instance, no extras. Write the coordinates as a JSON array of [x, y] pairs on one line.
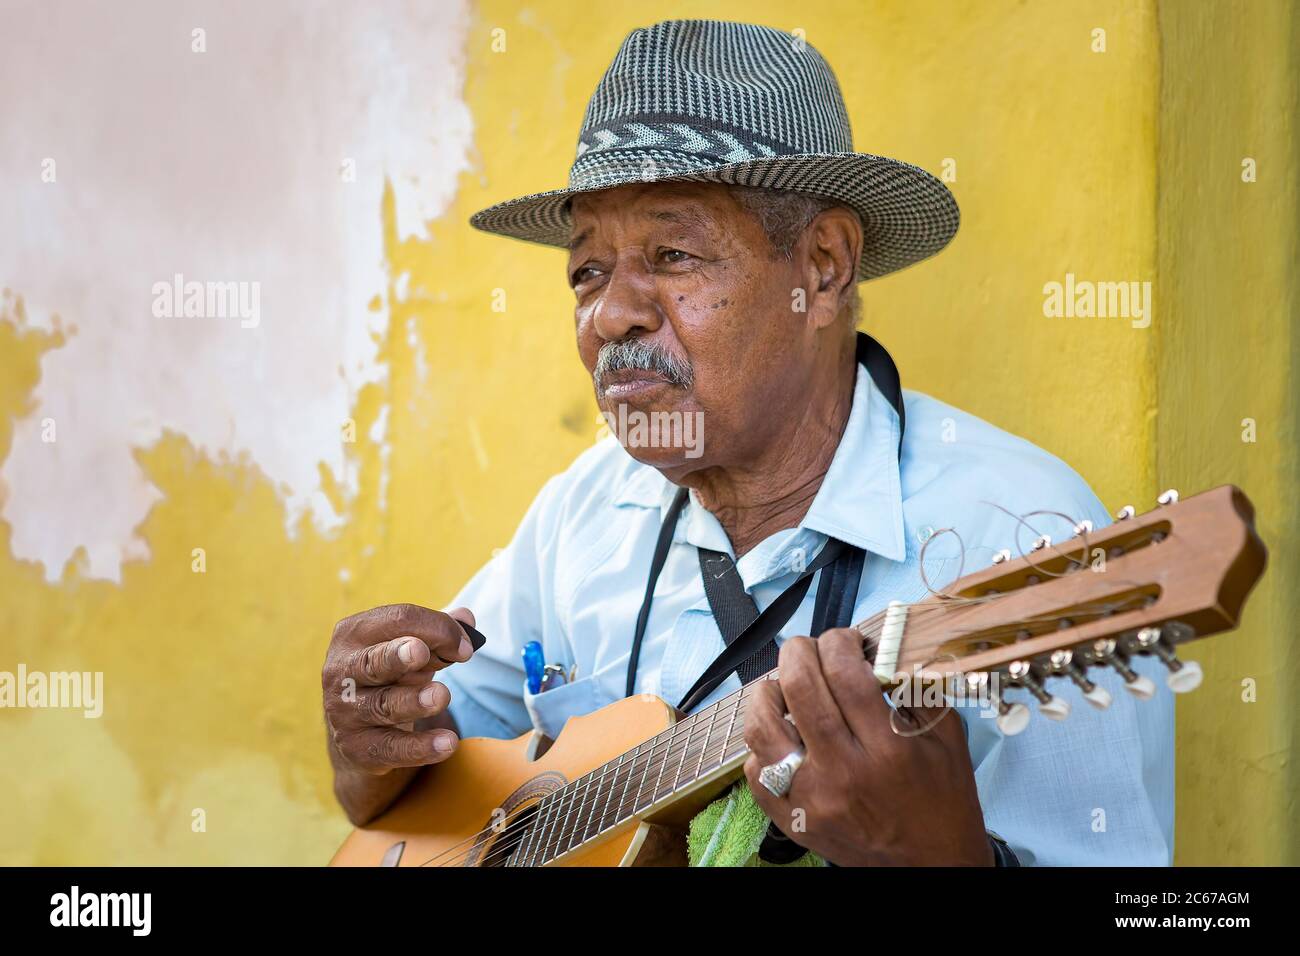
[[1096, 789]]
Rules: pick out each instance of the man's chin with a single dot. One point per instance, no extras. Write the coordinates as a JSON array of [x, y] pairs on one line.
[[671, 461], [669, 437]]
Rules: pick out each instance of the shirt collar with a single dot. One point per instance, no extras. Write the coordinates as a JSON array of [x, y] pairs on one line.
[[860, 501]]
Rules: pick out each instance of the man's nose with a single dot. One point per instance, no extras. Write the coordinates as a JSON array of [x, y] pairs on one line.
[[628, 305]]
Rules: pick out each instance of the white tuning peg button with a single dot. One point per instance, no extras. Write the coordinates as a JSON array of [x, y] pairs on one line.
[[1013, 719], [1186, 678], [1098, 697], [1055, 708], [1143, 688]]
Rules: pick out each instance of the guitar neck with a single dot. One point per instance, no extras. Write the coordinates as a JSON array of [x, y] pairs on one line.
[[1139, 587]]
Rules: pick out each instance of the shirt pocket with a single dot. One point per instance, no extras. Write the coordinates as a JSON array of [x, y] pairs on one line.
[[550, 709]]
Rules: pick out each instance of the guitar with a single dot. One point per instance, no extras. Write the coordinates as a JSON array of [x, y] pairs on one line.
[[620, 786]]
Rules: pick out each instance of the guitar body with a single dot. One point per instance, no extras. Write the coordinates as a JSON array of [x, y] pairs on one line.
[[447, 814]]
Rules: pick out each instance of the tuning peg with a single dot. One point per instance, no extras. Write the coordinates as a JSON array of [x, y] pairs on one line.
[[1083, 527], [1186, 677], [1128, 511], [1099, 697], [1041, 542], [1108, 652], [1012, 718], [1003, 555], [1063, 662], [1169, 497], [1183, 676], [1054, 708]]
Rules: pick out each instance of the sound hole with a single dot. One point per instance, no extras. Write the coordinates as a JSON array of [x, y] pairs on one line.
[[502, 836], [502, 847]]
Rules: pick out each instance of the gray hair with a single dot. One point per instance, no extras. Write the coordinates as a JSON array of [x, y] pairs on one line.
[[641, 355], [784, 214]]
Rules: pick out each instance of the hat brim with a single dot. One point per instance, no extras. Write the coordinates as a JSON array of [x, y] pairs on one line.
[[907, 214]]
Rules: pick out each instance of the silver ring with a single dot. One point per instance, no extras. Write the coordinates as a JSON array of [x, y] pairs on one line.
[[777, 777]]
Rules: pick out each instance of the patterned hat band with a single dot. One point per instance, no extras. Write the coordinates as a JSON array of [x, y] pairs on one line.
[[739, 104], [649, 147]]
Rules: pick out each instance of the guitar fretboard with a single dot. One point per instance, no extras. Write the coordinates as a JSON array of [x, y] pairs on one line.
[[653, 773]]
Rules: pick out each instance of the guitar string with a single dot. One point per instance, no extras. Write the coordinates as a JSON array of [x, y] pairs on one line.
[[689, 724], [716, 756], [707, 754], [867, 628], [578, 793], [579, 798], [673, 736]]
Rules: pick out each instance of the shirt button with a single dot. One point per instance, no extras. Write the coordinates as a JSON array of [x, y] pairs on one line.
[[925, 534], [798, 560]]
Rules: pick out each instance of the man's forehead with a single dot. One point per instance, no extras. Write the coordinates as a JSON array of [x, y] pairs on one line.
[[696, 206]]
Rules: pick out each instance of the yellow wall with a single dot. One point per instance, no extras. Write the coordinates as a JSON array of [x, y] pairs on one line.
[[1064, 164], [1229, 258]]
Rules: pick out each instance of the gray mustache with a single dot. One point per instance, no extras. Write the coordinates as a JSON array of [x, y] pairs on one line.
[[638, 355]]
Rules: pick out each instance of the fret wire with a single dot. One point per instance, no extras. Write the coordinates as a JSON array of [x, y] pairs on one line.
[[644, 776], [726, 738], [636, 755], [705, 749], [521, 851], [590, 805], [609, 801], [608, 796], [550, 827], [592, 799], [565, 825], [579, 797], [542, 826], [685, 750], [645, 772]]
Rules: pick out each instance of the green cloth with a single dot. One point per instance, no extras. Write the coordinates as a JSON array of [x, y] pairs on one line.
[[729, 831]]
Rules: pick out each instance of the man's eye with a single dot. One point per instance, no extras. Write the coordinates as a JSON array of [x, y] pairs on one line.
[[673, 255], [582, 275]]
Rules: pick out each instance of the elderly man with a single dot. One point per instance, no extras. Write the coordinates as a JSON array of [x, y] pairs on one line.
[[717, 223]]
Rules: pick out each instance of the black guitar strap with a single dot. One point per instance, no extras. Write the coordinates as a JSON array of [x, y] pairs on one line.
[[750, 635]]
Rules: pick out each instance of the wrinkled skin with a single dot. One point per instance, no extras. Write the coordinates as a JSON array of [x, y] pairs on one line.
[[385, 715]]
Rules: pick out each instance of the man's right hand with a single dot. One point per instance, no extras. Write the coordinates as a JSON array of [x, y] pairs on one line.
[[377, 682]]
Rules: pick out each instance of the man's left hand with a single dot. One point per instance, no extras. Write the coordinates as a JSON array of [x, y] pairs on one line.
[[864, 796]]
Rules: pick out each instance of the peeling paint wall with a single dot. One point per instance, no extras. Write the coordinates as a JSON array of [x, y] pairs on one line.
[[179, 434]]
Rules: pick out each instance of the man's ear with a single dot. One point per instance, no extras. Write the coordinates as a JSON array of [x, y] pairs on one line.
[[831, 246]]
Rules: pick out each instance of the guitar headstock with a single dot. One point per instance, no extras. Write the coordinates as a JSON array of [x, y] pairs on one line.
[[1138, 587]]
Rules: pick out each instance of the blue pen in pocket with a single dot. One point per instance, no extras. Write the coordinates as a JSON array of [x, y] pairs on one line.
[[534, 666]]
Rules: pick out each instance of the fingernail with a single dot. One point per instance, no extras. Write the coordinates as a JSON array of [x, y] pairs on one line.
[[406, 652], [466, 648], [427, 695], [444, 744]]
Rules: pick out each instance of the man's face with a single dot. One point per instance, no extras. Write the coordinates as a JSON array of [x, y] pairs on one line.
[[680, 290]]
